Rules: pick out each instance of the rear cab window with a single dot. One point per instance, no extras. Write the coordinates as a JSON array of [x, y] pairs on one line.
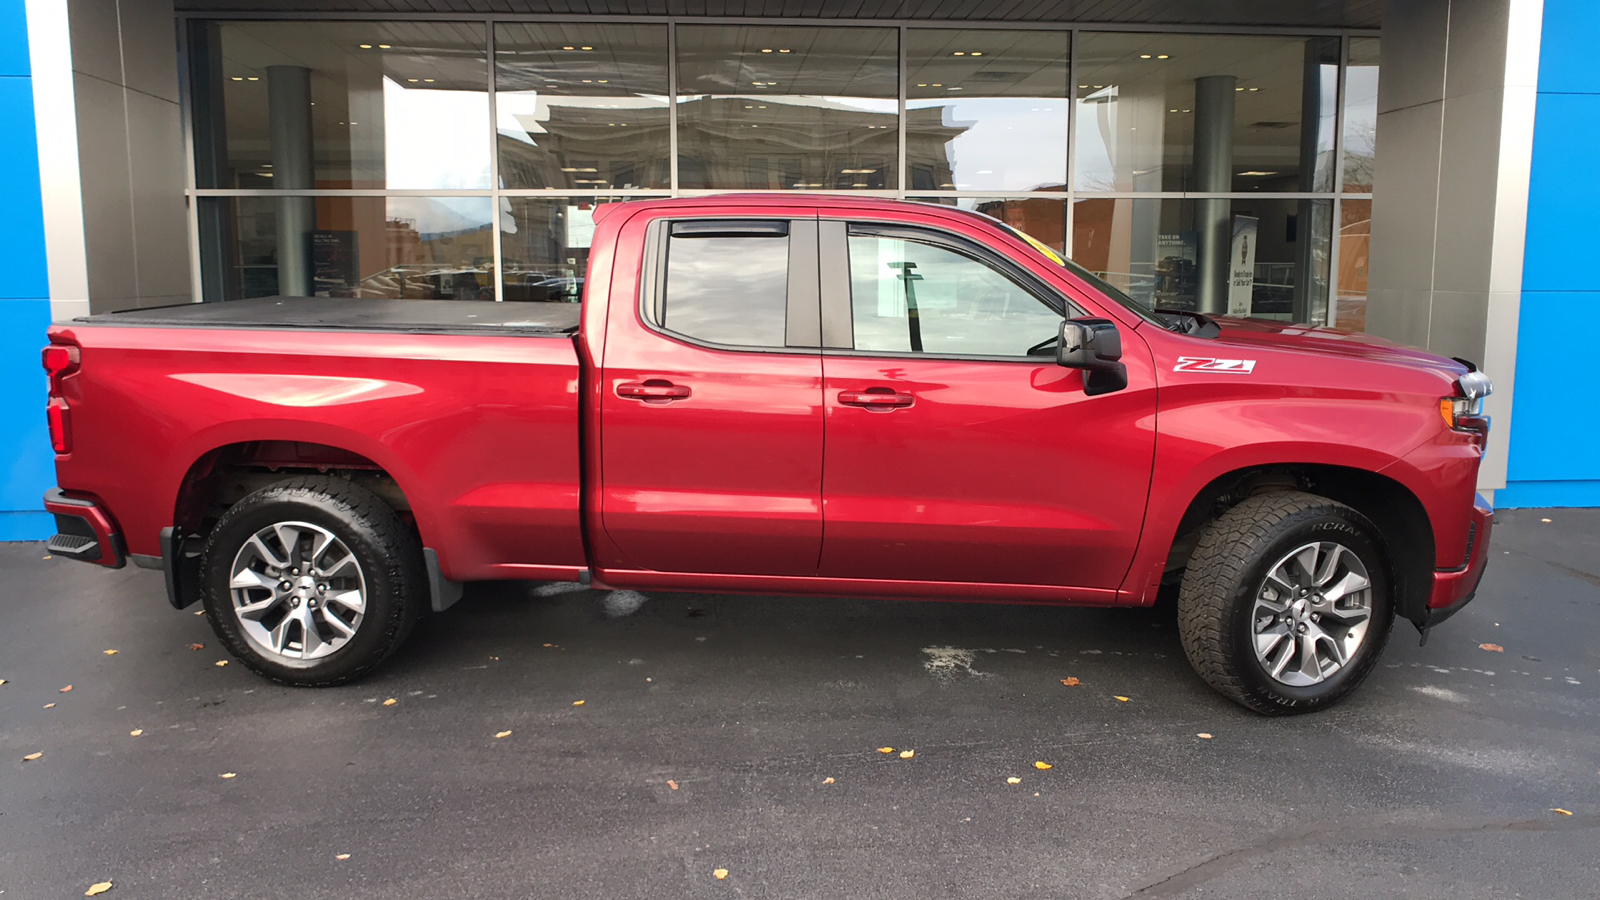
[[736, 283]]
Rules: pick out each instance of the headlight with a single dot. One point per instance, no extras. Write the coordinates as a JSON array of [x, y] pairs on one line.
[[1464, 412]]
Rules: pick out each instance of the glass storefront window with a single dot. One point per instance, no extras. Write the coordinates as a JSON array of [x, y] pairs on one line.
[[1361, 116], [545, 242], [787, 107], [1213, 113], [318, 105], [427, 248], [582, 106], [972, 97], [1275, 267], [1355, 243]]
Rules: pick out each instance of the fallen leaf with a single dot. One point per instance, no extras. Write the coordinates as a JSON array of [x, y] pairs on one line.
[[549, 645], [1013, 780], [885, 749], [49, 706], [1043, 766], [98, 888], [32, 756], [577, 703], [197, 646], [502, 734], [650, 679], [229, 775], [342, 856], [1204, 736], [109, 652], [2, 681], [1564, 812], [719, 874], [828, 780], [1546, 521], [1071, 682], [136, 732], [1492, 648], [1120, 698], [221, 663], [65, 690], [907, 754], [199, 612], [46, 557], [672, 784], [390, 702]]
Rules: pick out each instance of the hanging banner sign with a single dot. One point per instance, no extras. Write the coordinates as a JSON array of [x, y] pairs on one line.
[[1242, 266]]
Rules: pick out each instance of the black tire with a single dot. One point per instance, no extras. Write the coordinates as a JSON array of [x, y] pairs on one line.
[[1216, 605], [388, 553]]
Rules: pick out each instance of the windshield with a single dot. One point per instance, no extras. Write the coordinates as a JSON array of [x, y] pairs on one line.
[[1095, 281]]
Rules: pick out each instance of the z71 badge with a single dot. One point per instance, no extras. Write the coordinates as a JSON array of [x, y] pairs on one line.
[[1207, 364]]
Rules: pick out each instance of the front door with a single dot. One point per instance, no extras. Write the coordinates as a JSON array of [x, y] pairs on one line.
[[952, 454], [711, 411]]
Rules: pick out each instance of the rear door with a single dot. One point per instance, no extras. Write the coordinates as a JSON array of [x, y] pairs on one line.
[[953, 453], [711, 411]]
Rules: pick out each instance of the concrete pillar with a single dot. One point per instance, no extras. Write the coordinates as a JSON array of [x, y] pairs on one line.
[[1456, 97], [289, 119], [1213, 173]]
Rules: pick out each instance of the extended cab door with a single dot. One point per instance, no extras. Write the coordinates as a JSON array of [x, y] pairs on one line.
[[711, 404], [953, 454]]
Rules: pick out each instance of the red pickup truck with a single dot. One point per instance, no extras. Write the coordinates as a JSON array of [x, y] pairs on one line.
[[778, 394]]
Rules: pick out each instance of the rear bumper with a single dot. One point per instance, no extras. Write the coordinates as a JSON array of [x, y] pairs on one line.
[[1453, 588], [83, 531]]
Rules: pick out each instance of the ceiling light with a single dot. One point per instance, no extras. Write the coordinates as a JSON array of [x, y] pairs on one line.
[[252, 78], [1239, 89], [569, 47], [857, 171], [937, 84], [1256, 174], [1084, 86], [922, 84], [763, 107], [959, 53], [748, 106], [1171, 110], [427, 81], [766, 49], [355, 123], [264, 174], [955, 89], [1188, 110], [266, 165], [238, 78], [586, 48], [859, 184], [1253, 90], [413, 80], [783, 50], [1163, 56], [366, 46], [384, 47], [603, 81], [1144, 56], [578, 169], [977, 53], [587, 81]]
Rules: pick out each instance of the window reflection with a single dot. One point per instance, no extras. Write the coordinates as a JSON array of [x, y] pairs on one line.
[[417, 248], [1277, 267], [1355, 245], [1042, 218], [302, 105], [582, 106], [787, 107], [1361, 116], [974, 97], [546, 243], [1165, 112]]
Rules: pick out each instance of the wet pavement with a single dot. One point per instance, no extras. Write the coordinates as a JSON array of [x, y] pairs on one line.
[[710, 727]]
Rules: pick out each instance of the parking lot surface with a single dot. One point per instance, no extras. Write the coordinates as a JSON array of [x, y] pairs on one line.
[[655, 740]]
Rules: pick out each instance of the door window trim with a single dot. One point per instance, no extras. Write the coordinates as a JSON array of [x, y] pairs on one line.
[[838, 319], [802, 304]]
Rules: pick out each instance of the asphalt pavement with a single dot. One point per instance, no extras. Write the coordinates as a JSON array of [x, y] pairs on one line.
[[655, 741]]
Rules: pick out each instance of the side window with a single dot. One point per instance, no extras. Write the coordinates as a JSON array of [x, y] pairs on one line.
[[726, 287], [910, 296]]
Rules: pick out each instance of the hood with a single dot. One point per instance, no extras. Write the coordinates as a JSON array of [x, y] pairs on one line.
[[1329, 341]]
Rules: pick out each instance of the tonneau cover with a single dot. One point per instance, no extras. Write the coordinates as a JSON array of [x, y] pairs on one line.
[[338, 313]]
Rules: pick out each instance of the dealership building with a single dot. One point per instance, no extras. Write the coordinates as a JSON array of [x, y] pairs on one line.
[[1416, 169]]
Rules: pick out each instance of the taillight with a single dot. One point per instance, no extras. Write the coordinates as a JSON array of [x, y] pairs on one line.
[[59, 360], [60, 425]]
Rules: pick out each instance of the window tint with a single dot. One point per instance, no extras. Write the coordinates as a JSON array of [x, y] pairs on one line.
[[727, 290], [908, 296]]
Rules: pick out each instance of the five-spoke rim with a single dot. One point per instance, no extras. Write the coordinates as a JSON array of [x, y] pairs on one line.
[[298, 591], [1311, 613]]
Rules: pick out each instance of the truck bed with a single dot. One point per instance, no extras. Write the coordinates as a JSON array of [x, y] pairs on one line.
[[344, 314]]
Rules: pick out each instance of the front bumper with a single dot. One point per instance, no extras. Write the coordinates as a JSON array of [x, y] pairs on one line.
[[1455, 588], [83, 531]]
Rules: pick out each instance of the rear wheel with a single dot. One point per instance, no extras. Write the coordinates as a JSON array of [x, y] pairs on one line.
[[312, 581], [1286, 605]]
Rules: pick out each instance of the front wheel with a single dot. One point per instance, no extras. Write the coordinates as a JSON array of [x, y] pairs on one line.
[[312, 581], [1286, 604]]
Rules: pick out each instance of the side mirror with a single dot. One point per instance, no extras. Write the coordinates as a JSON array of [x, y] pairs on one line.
[[1095, 346]]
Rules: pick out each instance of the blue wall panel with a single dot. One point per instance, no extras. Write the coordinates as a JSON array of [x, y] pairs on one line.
[[27, 468], [1553, 434]]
